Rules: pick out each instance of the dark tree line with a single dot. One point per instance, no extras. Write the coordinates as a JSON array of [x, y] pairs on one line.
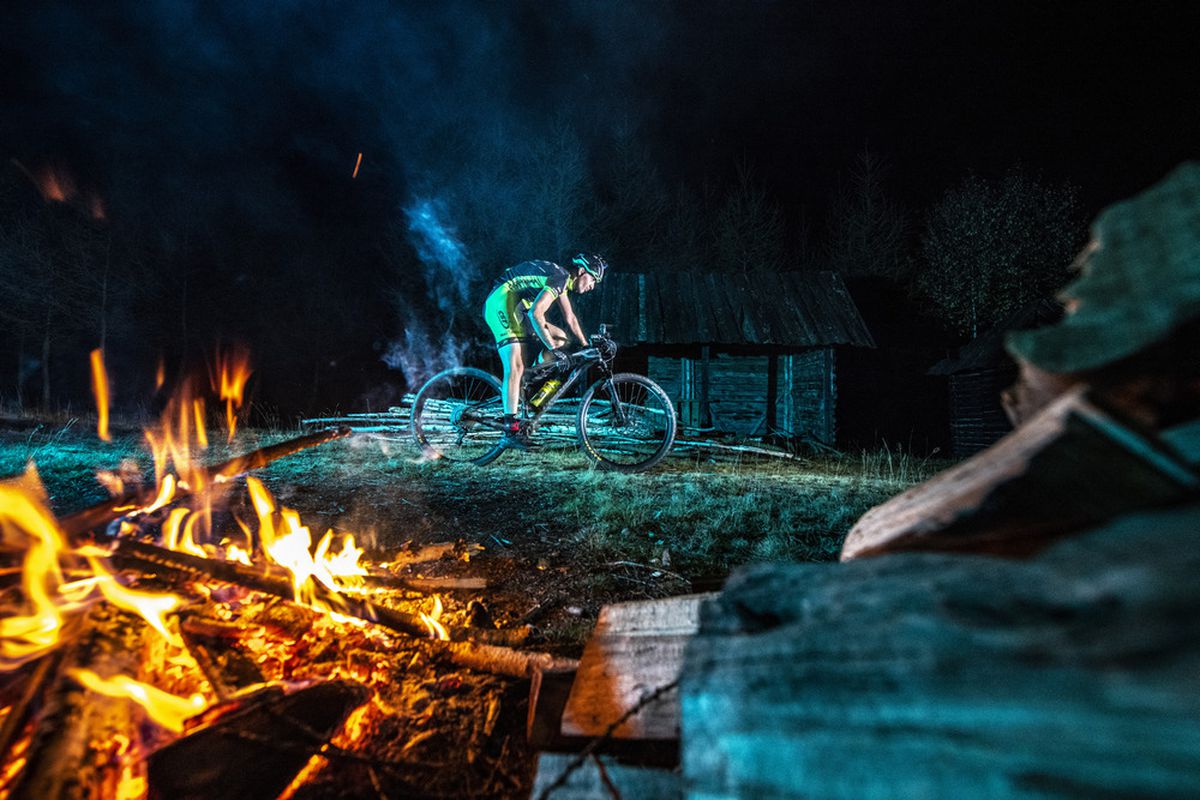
[[324, 300]]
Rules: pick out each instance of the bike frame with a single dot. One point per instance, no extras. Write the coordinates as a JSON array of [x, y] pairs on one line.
[[586, 358]]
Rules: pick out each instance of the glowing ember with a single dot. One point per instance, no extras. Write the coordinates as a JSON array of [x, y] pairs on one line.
[[100, 392], [55, 185], [96, 208], [164, 708], [357, 164]]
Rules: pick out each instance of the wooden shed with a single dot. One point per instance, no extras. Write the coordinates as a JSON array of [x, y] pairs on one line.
[[978, 373], [752, 354]]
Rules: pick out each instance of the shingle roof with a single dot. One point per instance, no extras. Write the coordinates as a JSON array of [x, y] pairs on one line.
[[986, 351], [791, 309]]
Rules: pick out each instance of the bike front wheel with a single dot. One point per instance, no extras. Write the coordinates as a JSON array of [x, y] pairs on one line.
[[626, 423], [457, 416]]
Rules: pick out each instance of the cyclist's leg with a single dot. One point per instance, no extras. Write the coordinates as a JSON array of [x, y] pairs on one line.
[[503, 316], [513, 360]]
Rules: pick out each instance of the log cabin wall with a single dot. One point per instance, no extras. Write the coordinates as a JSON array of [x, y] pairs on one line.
[[789, 395], [977, 419], [745, 354]]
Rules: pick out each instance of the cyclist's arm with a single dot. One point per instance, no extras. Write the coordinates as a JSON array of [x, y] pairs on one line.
[[571, 320], [546, 332]]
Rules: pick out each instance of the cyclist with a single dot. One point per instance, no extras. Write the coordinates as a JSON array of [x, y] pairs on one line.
[[515, 311]]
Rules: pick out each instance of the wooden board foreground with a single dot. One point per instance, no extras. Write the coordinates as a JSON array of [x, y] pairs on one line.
[[926, 675], [588, 782], [635, 648]]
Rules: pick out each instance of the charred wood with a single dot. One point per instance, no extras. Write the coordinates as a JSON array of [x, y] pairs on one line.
[[63, 761], [254, 751], [101, 514]]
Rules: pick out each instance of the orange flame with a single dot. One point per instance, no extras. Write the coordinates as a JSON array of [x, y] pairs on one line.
[[168, 710], [151, 606], [232, 370], [30, 632], [201, 433], [160, 374], [23, 518], [100, 392], [436, 629], [288, 543]]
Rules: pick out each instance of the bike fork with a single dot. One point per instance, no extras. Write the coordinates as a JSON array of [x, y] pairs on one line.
[[618, 411]]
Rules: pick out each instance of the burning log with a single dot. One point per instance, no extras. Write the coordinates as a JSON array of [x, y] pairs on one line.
[[475, 649], [20, 711], [102, 514], [62, 761], [255, 750]]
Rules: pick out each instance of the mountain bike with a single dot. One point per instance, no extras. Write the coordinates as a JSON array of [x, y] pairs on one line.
[[624, 422]]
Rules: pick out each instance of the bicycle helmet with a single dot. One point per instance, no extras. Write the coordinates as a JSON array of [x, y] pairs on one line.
[[592, 264]]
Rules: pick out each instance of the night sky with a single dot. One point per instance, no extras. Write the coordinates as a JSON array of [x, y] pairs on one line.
[[243, 120], [266, 105]]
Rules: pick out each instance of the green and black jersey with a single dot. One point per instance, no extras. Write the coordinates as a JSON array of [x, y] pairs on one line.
[[527, 280], [514, 293]]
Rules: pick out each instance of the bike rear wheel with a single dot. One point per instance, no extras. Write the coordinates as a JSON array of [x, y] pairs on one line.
[[456, 416], [626, 423]]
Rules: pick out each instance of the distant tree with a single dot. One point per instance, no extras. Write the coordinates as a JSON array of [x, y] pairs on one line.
[[868, 233], [686, 243], [633, 203], [559, 193], [989, 247], [749, 228]]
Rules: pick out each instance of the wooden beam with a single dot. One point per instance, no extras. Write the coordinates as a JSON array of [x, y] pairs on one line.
[[636, 648], [1071, 465]]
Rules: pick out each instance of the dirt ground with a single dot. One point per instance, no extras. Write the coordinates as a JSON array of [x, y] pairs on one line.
[[559, 539]]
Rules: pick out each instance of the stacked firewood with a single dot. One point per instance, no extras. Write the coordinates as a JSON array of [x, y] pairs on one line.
[[557, 430]]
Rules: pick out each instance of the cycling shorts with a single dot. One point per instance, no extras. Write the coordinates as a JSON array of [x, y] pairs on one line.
[[507, 317]]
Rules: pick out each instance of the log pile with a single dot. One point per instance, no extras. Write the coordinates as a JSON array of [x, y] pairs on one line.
[[931, 675], [556, 431]]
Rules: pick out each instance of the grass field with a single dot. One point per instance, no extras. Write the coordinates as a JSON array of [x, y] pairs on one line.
[[547, 520]]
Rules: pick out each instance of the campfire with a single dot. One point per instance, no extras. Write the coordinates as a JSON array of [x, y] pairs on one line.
[[192, 637]]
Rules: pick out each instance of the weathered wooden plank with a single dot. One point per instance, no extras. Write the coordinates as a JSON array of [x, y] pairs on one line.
[[635, 648], [933, 675], [603, 778], [1069, 466]]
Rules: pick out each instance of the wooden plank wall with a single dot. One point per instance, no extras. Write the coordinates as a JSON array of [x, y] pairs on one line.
[[804, 403], [977, 420], [814, 394], [737, 389]]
